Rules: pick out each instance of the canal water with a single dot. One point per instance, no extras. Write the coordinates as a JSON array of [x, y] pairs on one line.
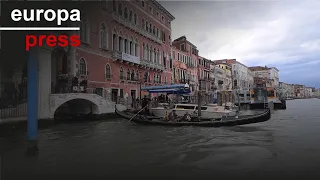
[[287, 146]]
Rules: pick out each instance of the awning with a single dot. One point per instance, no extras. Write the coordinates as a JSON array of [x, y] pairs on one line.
[[171, 91], [174, 86]]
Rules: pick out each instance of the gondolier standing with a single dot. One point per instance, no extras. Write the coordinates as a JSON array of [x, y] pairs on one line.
[[145, 102]]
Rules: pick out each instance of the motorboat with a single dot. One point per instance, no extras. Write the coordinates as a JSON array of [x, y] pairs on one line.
[[207, 111]]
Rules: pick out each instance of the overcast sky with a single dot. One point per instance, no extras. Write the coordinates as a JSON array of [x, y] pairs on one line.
[[284, 34]]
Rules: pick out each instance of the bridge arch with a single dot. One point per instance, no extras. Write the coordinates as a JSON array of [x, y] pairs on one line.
[[81, 102]]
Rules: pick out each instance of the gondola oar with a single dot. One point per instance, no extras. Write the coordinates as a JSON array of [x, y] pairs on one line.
[[138, 113]]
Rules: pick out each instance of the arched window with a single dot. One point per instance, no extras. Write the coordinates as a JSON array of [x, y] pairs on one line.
[[83, 29], [154, 30], [154, 55], [121, 73], [132, 75], [126, 12], [135, 19], [150, 28], [103, 36], [143, 25], [108, 71], [82, 67], [128, 74], [130, 16], [125, 46], [137, 76], [114, 41], [120, 9], [147, 26], [146, 76], [154, 78]]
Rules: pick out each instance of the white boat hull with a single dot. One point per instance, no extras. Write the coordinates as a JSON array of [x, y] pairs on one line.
[[161, 112]]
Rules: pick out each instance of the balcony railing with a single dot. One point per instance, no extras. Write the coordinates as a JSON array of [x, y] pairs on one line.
[[151, 64], [134, 27], [69, 87], [125, 57]]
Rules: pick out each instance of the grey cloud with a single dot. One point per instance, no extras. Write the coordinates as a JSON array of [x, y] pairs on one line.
[[279, 33]]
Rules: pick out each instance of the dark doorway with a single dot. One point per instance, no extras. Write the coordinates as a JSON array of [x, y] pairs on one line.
[[114, 94]]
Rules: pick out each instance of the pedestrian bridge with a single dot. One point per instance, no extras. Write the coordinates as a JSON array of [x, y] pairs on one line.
[[97, 104]]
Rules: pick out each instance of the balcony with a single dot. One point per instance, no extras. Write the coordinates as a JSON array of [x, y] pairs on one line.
[[204, 79], [151, 65], [117, 55], [134, 27]]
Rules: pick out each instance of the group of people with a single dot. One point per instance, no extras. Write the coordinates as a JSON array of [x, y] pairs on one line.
[[186, 117]]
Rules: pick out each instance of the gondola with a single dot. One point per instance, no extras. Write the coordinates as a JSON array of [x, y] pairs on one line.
[[241, 120]]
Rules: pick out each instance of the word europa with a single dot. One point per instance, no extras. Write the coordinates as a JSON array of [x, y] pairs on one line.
[[49, 15]]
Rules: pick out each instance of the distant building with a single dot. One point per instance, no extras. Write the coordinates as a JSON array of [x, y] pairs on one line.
[[268, 77], [239, 73]]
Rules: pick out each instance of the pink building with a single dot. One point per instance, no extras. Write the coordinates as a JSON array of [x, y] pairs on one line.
[[125, 43], [185, 56]]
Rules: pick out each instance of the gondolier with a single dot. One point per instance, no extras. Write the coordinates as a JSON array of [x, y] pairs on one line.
[[145, 102]]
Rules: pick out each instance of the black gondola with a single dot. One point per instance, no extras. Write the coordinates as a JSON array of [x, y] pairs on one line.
[[241, 120]]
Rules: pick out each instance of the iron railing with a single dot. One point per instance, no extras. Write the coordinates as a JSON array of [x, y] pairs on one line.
[[17, 110], [69, 87]]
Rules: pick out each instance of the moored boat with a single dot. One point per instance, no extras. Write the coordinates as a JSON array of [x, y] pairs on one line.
[[228, 121], [207, 111]]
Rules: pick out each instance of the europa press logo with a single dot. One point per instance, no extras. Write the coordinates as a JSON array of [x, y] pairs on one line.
[[48, 15]]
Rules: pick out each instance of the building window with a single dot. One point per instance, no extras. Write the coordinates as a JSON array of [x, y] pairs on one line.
[[130, 16], [143, 25], [135, 19], [147, 26], [125, 46], [142, 3], [83, 30], [121, 73], [128, 75], [108, 71], [154, 30], [158, 14], [82, 67], [126, 12], [150, 9], [120, 9], [103, 36], [162, 18], [114, 42], [137, 76], [132, 75], [150, 28], [182, 48], [157, 32]]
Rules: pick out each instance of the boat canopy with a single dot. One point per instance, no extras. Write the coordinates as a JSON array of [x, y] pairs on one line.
[[173, 86], [171, 91]]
